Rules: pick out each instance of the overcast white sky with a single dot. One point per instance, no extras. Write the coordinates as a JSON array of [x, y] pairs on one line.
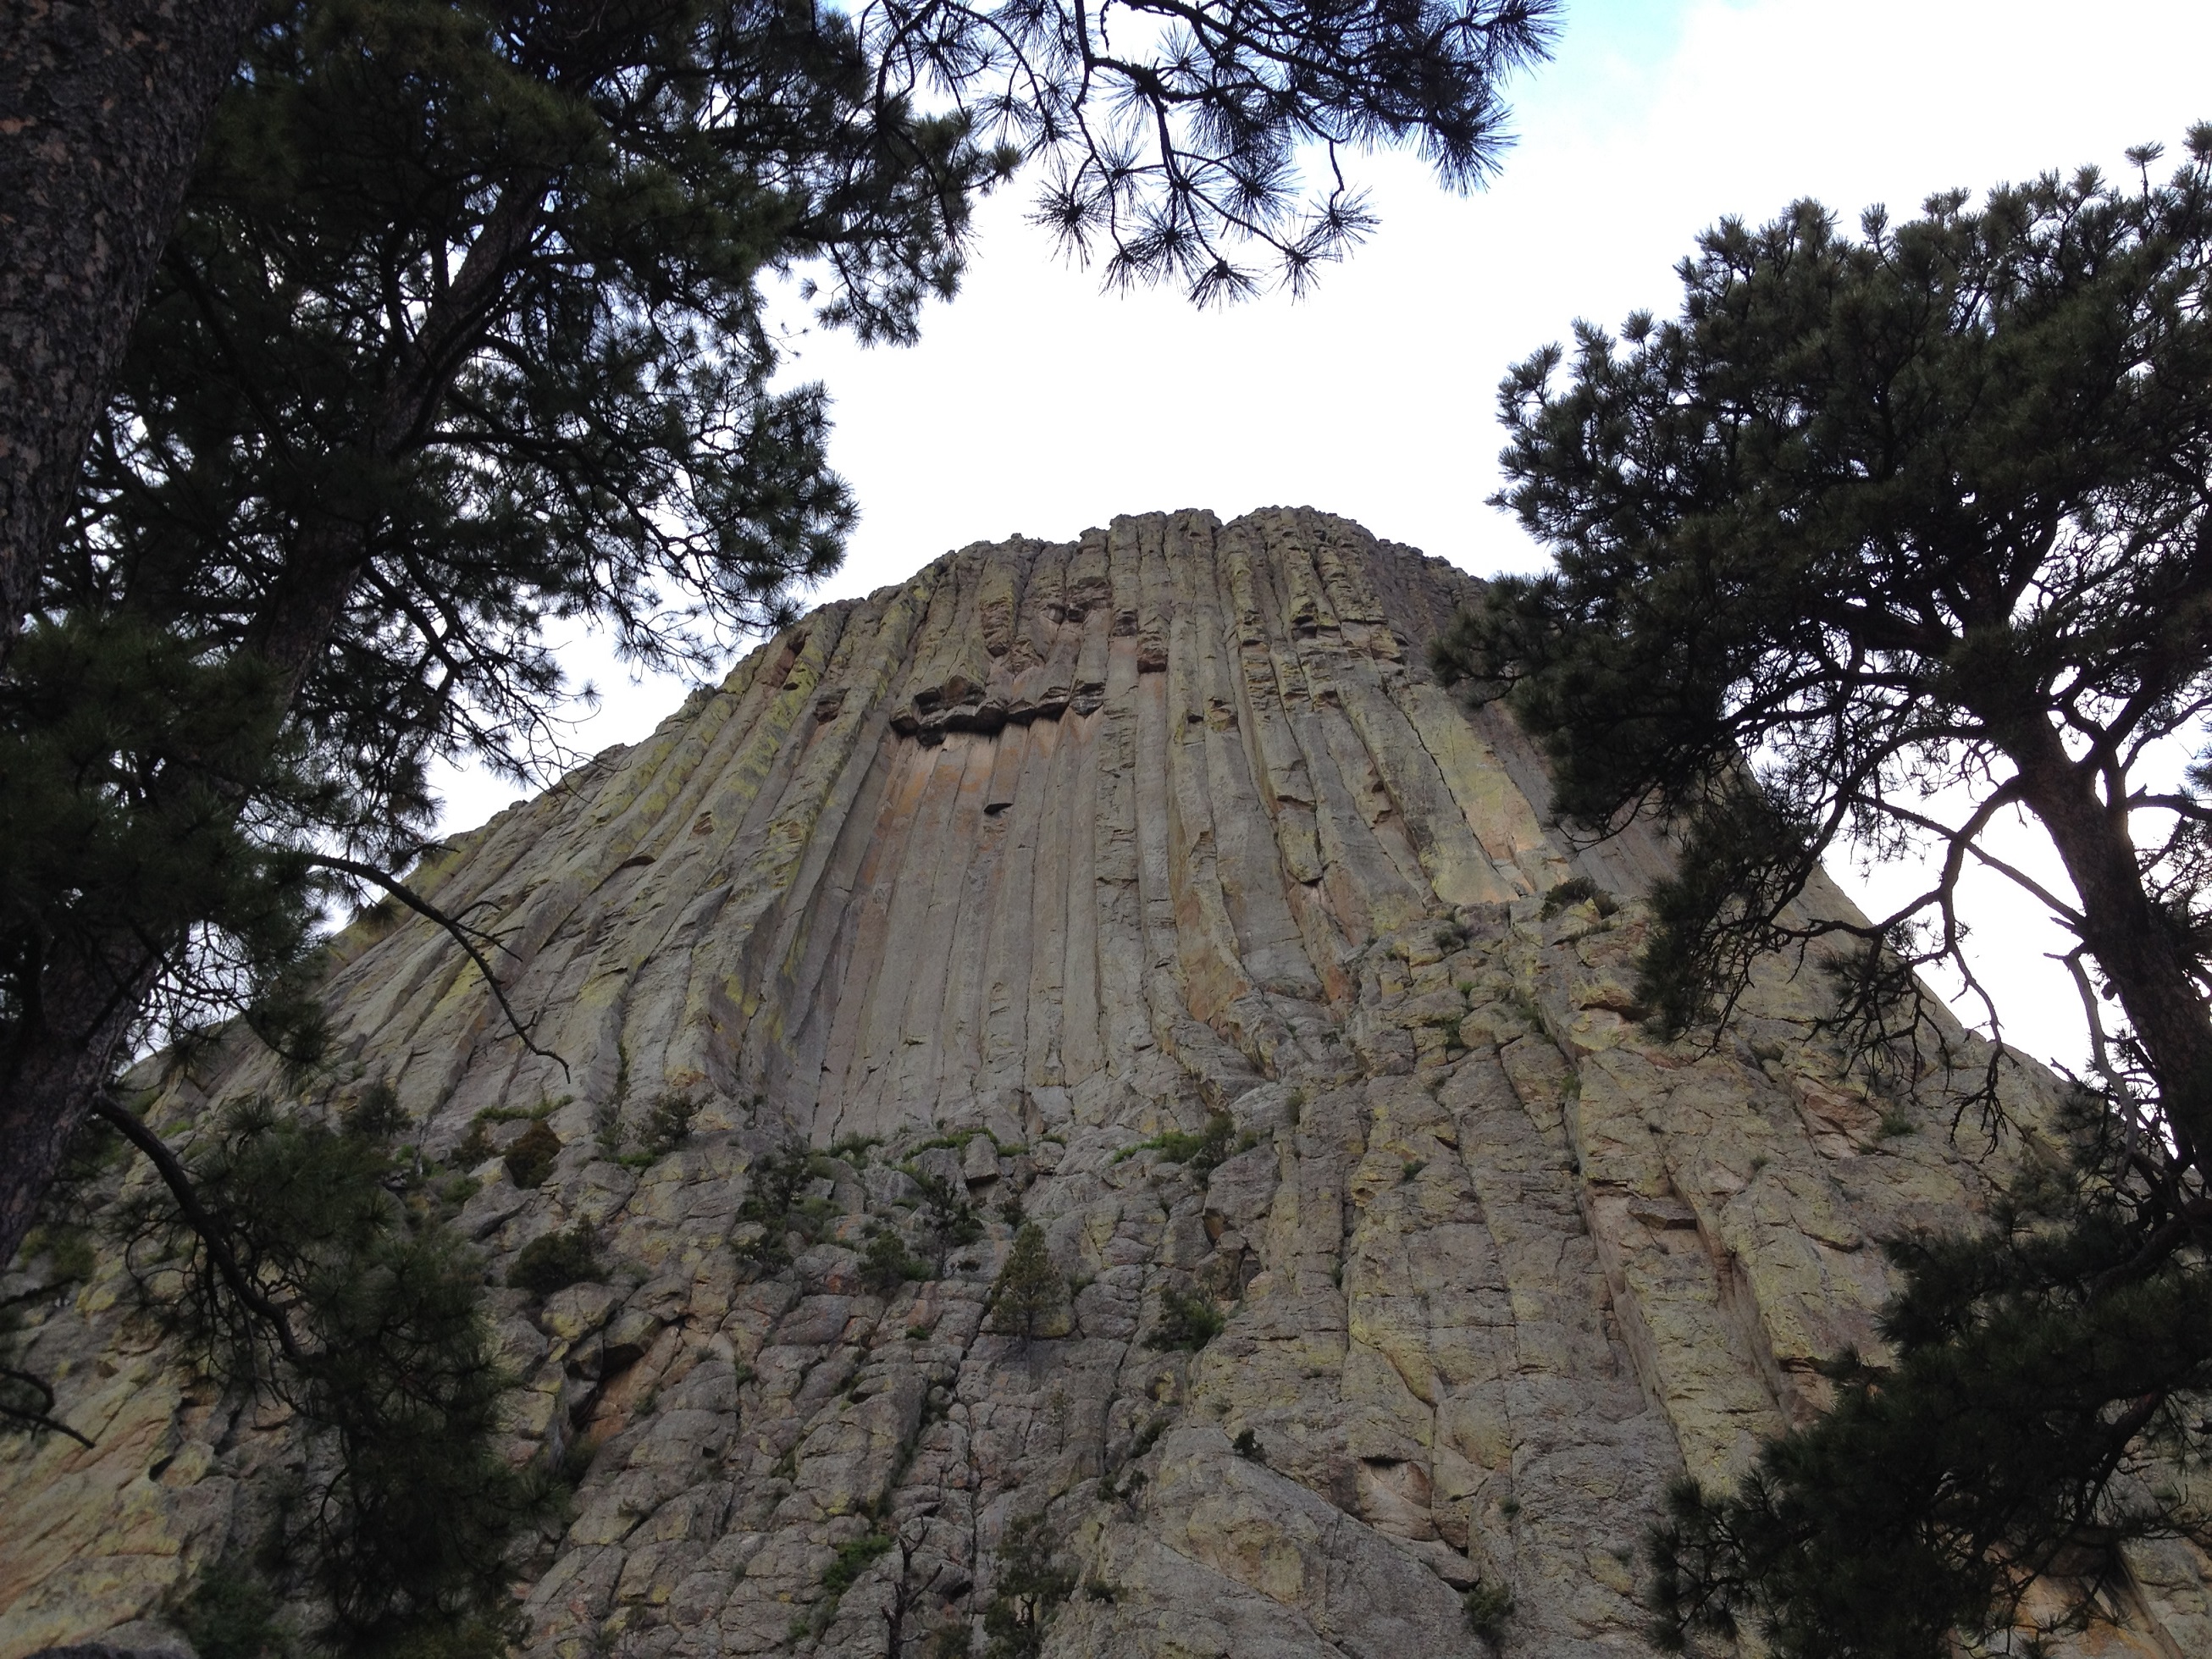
[[1036, 404]]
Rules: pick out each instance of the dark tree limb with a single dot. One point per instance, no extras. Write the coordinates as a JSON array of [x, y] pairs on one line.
[[461, 933], [179, 1180], [53, 1072], [41, 1416]]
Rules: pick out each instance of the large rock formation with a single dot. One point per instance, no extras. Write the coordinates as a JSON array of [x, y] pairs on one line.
[[1014, 869]]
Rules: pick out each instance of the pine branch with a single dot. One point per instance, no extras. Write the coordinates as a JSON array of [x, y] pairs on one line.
[[179, 1180], [459, 931]]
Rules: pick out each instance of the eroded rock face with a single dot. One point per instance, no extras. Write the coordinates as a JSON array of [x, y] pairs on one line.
[[1013, 869]]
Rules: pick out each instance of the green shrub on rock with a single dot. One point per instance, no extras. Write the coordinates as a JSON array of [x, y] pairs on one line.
[[1489, 1606], [777, 1178], [530, 1160], [852, 1559], [555, 1262], [1188, 1322], [948, 1214], [1578, 890], [886, 1263], [1201, 1153], [1030, 1584], [231, 1614], [668, 1125]]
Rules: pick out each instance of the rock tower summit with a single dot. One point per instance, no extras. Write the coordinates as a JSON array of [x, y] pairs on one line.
[[1148, 888]]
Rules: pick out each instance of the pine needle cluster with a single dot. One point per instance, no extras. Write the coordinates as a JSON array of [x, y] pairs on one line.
[[1876, 524], [309, 1278], [1029, 1297]]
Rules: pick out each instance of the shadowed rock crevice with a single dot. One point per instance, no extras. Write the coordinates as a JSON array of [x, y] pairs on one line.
[[1146, 888]]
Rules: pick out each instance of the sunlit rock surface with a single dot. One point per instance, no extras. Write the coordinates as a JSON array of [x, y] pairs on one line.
[[1047, 851]]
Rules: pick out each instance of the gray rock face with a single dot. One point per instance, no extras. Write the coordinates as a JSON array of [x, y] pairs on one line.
[[1147, 887]]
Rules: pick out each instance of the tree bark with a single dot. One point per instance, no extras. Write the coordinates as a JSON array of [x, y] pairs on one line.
[[55, 1069], [67, 1040], [67, 1037], [2147, 967], [102, 110]]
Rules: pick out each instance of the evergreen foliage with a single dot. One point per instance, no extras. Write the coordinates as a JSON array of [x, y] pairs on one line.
[[886, 1264], [370, 1326], [776, 1179], [485, 1638], [230, 1613], [375, 1113], [949, 1215], [1187, 1322], [1872, 525], [2045, 1405], [1489, 1608], [123, 751], [530, 1160], [555, 1261], [1885, 516], [668, 1125], [852, 1559], [1029, 1295], [462, 332], [1202, 1152], [1577, 890], [1029, 1585]]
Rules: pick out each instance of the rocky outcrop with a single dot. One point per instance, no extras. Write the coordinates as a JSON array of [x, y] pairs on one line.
[[1148, 888]]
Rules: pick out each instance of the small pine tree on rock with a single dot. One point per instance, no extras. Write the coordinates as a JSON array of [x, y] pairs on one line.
[[1031, 1583], [530, 1160], [555, 1260], [1188, 1322], [949, 1217], [886, 1264], [777, 1179], [1029, 1297]]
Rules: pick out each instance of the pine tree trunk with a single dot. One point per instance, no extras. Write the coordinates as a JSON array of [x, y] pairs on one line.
[[102, 110], [2147, 965], [53, 1073], [68, 1036]]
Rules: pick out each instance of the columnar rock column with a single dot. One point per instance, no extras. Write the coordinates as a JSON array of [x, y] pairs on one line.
[[1146, 887]]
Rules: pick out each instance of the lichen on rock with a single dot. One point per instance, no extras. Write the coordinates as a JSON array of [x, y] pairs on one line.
[[1145, 891]]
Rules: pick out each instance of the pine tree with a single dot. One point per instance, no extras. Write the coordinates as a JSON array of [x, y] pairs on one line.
[[948, 1214], [282, 1257], [461, 331], [1028, 1298], [1872, 524], [1029, 1584]]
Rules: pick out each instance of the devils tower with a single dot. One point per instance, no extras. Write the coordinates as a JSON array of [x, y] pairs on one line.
[[1149, 889]]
